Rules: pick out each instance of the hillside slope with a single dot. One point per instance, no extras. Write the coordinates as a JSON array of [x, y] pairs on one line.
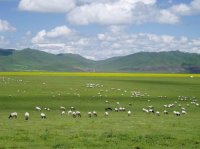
[[154, 62], [172, 62], [34, 60]]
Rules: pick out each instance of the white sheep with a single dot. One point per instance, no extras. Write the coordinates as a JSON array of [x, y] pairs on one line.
[[78, 113], [47, 109], [13, 114], [129, 113], [183, 109], [176, 113], [145, 110], [165, 112], [37, 108], [74, 114], [123, 109], [157, 113], [89, 114], [94, 113], [116, 109], [69, 112], [43, 116], [26, 115], [62, 108], [63, 112], [106, 114], [183, 112], [72, 108]]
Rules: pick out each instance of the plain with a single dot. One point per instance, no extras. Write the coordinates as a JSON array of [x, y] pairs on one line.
[[21, 92]]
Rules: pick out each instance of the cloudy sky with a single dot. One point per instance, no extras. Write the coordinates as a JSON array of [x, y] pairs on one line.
[[99, 29]]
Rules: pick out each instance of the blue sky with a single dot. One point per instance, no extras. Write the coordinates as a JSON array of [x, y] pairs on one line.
[[99, 29]]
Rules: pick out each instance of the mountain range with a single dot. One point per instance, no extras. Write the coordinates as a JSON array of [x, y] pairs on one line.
[[146, 62]]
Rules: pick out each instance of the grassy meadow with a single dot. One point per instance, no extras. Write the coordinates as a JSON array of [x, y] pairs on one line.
[[23, 91]]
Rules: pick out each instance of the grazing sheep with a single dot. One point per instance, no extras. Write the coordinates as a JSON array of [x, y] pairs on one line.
[[13, 114], [123, 109], [106, 114], [74, 114], [145, 110], [89, 114], [62, 108], [183, 109], [183, 112], [26, 116], [63, 112], [176, 113], [78, 113], [151, 110], [43, 116], [165, 112], [129, 113], [47, 109], [157, 113], [116, 109], [37, 108], [94, 113], [72, 108], [69, 112]]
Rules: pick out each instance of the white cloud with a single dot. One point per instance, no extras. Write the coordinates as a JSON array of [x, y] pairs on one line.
[[108, 44], [5, 26], [56, 33], [121, 12], [46, 5], [60, 31], [167, 17], [101, 13], [116, 12], [195, 4], [113, 12], [181, 9], [186, 9], [58, 40]]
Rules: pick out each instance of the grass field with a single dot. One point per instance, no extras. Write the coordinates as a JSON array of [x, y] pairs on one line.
[[23, 91]]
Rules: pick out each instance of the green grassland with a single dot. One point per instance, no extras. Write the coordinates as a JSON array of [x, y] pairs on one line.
[[22, 91]]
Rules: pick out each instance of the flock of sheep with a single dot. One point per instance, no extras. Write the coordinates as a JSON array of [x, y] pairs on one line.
[[149, 109], [71, 112], [168, 108]]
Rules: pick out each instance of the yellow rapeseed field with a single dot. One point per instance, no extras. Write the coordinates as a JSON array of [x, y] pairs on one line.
[[94, 74]]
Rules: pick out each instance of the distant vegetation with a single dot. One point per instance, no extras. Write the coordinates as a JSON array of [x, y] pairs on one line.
[[154, 62]]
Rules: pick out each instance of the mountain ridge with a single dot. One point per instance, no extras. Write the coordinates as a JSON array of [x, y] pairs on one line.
[[154, 62]]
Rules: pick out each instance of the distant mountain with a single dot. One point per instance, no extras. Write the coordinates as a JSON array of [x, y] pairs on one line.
[[169, 62], [35, 60], [154, 62]]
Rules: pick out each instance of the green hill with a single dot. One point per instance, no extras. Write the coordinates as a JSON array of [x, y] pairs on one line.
[[35, 60], [155, 62], [169, 62]]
